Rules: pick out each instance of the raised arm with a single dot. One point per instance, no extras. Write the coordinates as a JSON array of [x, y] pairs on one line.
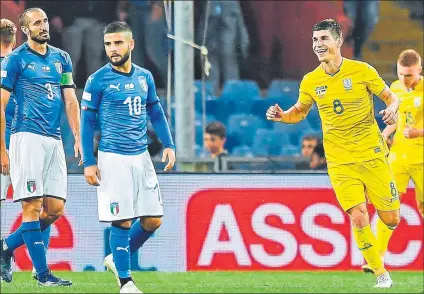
[[293, 115]]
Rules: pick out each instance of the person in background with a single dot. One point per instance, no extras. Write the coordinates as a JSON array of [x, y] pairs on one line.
[[318, 161], [214, 140], [309, 142]]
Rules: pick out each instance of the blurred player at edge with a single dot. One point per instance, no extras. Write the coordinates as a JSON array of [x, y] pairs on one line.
[[406, 156], [122, 94], [7, 43], [354, 147], [40, 77]]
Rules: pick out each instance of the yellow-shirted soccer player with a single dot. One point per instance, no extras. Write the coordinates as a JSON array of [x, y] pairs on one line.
[[406, 156], [354, 146]]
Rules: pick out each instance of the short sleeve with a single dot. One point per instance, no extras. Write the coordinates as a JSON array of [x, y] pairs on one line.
[[92, 95], [304, 96], [67, 66], [374, 82], [152, 96], [10, 70]]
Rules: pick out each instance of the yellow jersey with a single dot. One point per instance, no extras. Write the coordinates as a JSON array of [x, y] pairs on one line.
[[345, 104], [410, 113]]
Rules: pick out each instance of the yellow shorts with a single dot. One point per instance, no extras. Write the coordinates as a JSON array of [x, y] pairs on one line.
[[373, 178], [403, 172]]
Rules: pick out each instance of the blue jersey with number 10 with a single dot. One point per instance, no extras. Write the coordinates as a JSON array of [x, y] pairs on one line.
[[35, 81], [121, 100]]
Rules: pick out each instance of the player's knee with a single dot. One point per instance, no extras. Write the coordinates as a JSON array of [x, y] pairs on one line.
[[359, 216], [151, 224], [391, 219], [32, 207]]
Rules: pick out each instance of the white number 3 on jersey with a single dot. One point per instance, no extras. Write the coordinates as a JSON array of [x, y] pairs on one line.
[[134, 105]]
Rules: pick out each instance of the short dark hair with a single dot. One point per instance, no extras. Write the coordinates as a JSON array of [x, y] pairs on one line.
[[7, 31], [409, 57], [310, 138], [216, 128], [117, 27], [23, 18], [319, 150], [330, 25]]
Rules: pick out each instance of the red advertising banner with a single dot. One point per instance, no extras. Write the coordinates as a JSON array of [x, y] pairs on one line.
[[287, 229]]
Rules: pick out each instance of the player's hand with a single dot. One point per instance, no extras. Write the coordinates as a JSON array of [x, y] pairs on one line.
[[92, 175], [275, 113], [168, 153], [410, 132], [4, 163], [389, 116], [78, 151]]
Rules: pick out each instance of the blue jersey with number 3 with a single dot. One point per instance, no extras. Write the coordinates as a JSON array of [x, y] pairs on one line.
[[35, 81], [120, 100]]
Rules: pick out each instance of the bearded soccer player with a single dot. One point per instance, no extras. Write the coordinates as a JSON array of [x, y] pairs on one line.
[[354, 146], [40, 78], [406, 156], [123, 95]]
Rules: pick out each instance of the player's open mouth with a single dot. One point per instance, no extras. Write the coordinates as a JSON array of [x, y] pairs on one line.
[[321, 51]]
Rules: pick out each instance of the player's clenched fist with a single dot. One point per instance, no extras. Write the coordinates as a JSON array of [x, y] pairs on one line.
[[168, 153], [410, 132], [4, 163], [389, 116], [274, 113], [92, 175]]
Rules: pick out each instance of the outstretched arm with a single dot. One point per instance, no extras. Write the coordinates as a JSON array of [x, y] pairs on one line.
[[293, 115]]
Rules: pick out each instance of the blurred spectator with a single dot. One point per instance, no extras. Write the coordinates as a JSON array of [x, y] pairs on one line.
[[226, 39], [364, 15], [214, 140], [318, 161], [83, 24], [309, 142], [148, 22]]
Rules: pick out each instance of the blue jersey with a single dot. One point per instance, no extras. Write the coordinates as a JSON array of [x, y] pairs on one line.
[[36, 81], [121, 100], [10, 112]]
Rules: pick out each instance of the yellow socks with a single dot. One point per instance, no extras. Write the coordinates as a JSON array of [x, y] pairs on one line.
[[367, 244], [383, 233]]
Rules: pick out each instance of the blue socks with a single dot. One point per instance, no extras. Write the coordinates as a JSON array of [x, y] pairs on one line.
[[16, 240], [119, 245], [33, 239], [138, 236]]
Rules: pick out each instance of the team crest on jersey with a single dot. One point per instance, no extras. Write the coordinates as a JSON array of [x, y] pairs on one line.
[[417, 101], [114, 208], [321, 90], [143, 83], [347, 83], [31, 186], [58, 67]]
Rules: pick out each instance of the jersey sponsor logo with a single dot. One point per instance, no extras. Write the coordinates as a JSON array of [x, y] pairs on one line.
[[86, 96], [114, 208], [143, 83], [115, 87], [58, 67], [123, 248], [45, 68], [321, 90], [417, 101], [347, 83], [3, 73], [31, 66], [31, 186], [129, 86]]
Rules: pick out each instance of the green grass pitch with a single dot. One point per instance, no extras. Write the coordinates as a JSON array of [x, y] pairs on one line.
[[224, 282]]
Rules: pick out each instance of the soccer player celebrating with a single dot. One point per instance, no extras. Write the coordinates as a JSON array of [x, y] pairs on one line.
[[406, 156], [123, 94], [40, 78], [7, 43], [354, 147]]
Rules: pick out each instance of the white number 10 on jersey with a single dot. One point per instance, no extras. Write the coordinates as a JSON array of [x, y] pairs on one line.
[[134, 105]]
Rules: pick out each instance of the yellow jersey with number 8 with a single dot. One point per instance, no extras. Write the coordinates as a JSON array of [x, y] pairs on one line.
[[345, 104], [410, 113]]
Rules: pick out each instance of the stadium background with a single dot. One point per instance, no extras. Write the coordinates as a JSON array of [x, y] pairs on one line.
[[273, 217]]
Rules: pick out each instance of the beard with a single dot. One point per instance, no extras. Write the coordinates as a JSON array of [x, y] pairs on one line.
[[38, 38], [121, 61]]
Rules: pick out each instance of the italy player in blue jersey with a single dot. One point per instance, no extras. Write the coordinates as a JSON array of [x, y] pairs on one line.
[[7, 43], [123, 95], [40, 78]]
